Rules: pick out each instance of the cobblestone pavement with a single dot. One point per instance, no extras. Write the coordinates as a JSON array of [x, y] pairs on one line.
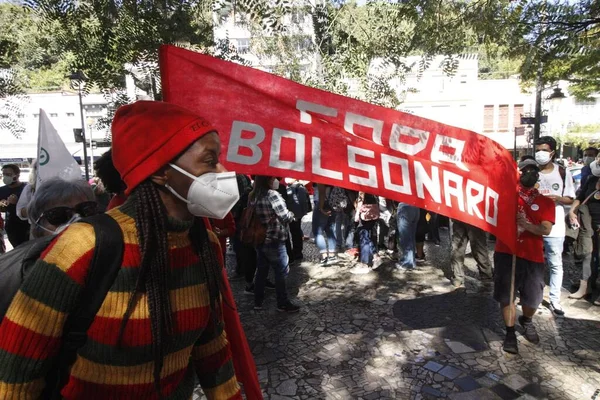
[[390, 335]]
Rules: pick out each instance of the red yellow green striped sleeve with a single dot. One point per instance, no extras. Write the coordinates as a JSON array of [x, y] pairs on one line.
[[30, 334]]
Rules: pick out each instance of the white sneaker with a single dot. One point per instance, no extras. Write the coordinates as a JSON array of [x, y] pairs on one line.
[[360, 269]]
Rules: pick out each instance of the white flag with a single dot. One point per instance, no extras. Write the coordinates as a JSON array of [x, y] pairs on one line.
[[53, 156]]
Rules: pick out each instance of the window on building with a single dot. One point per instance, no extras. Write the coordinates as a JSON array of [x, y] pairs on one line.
[[518, 110], [240, 19], [243, 46], [53, 115], [586, 102], [36, 115], [488, 118], [503, 118], [297, 16], [302, 43], [70, 114]]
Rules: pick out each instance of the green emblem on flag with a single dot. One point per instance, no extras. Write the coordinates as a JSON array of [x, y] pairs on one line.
[[44, 157]]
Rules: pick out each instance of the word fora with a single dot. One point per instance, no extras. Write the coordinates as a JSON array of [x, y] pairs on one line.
[[468, 194]]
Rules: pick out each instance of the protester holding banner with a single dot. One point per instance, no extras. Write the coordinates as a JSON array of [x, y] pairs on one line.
[[420, 236], [535, 219], [408, 220], [17, 229], [169, 319], [298, 202], [556, 183], [461, 235], [274, 215], [367, 214], [325, 227], [385, 230]]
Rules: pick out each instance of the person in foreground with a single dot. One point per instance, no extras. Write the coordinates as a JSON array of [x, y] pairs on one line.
[[161, 325], [535, 217]]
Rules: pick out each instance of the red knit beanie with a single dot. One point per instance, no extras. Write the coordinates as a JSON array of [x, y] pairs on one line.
[[147, 135]]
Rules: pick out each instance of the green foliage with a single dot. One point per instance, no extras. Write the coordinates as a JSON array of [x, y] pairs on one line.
[[28, 45], [105, 36], [562, 36]]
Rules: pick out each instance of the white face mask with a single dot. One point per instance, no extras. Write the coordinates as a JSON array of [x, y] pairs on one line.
[[211, 195], [275, 184], [588, 160], [76, 217], [8, 180], [542, 157], [595, 167]]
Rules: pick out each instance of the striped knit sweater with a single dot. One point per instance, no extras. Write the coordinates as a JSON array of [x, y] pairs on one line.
[[30, 333]]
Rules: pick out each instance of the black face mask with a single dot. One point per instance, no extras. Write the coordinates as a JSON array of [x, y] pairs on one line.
[[529, 179]]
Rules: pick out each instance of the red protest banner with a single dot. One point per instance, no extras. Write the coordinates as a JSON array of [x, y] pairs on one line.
[[273, 126]]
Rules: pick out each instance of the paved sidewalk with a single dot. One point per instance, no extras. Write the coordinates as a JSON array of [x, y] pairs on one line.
[[388, 335]]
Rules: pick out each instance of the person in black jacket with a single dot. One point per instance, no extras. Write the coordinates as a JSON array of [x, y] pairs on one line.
[[298, 202]]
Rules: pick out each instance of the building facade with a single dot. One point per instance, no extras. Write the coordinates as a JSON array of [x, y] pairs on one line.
[[64, 112]]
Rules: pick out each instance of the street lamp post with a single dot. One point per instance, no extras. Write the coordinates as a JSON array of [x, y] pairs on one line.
[[90, 122], [556, 98], [539, 88], [81, 78]]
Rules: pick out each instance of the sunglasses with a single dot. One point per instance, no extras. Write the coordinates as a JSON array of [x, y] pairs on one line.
[[59, 215]]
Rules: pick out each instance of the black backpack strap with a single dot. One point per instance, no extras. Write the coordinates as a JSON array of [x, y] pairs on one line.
[[103, 270], [562, 171]]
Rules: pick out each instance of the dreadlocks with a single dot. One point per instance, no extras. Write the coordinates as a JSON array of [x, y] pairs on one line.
[[151, 223]]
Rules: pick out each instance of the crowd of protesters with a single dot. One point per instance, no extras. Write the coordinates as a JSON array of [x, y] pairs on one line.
[[169, 314]]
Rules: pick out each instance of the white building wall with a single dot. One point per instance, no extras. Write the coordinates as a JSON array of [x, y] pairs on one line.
[[447, 99], [497, 92], [63, 110]]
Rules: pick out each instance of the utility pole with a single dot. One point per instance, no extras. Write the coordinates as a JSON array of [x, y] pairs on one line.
[[539, 88], [87, 169]]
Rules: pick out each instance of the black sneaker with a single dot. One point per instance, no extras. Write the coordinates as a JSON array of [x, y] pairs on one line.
[[258, 306], [530, 332], [249, 289], [323, 262], [510, 343], [288, 307], [332, 260], [556, 309], [269, 285]]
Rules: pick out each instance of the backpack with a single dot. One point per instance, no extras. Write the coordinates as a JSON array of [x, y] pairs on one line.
[[337, 199], [369, 210], [106, 262], [252, 230], [244, 188], [298, 200], [563, 175]]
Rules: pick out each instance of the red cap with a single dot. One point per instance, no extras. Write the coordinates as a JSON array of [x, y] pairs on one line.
[[147, 135]]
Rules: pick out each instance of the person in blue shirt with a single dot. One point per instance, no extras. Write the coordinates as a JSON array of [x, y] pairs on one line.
[[589, 155]]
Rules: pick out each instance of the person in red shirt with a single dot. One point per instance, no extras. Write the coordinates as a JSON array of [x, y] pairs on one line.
[[224, 228], [535, 217]]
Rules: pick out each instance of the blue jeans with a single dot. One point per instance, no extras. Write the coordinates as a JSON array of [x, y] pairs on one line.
[[408, 219], [324, 226], [271, 255], [367, 247], [553, 248], [341, 228]]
